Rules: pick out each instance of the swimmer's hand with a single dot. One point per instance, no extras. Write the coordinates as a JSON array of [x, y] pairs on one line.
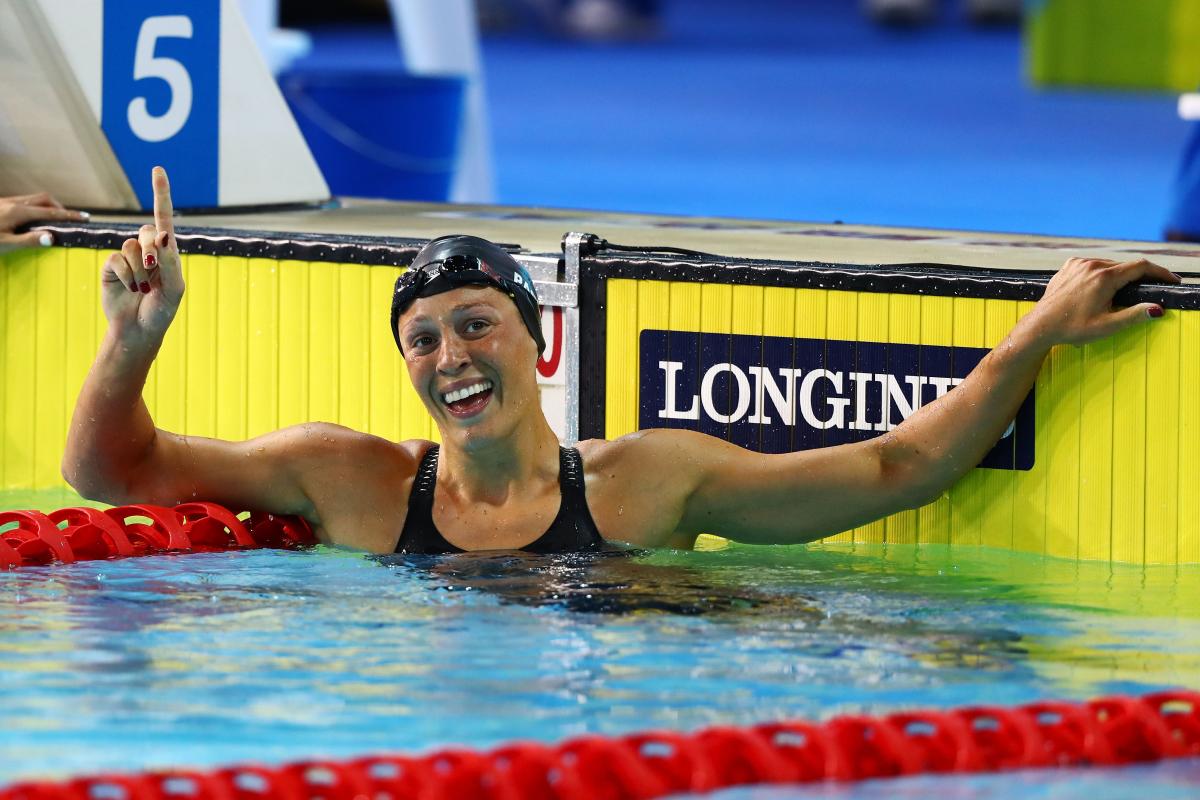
[[142, 285], [18, 211], [1077, 306]]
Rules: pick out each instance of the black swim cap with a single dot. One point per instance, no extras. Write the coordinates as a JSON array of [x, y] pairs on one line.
[[449, 262]]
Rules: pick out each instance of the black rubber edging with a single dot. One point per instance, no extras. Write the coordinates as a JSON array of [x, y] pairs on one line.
[[334, 248]]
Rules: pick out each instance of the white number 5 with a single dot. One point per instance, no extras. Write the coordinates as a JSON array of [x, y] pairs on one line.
[[145, 126]]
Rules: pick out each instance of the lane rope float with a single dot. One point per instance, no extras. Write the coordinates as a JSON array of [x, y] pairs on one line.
[[1103, 732], [68, 535]]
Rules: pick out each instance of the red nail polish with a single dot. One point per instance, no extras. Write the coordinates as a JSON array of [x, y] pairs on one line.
[[133, 287], [145, 287], [151, 261], [1154, 311]]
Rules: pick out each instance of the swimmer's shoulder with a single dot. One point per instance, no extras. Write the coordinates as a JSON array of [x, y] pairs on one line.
[[643, 451], [637, 484], [358, 483], [327, 442]]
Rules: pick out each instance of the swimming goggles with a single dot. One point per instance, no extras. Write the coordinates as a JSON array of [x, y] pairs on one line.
[[461, 269]]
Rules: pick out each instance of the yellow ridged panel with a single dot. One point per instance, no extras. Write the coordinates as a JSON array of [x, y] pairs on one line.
[[20, 402], [685, 306], [166, 392], [323, 342], [1095, 452], [262, 346], [1029, 488], [1056, 449], [385, 367], [812, 313], [99, 321], [873, 315], [747, 310], [996, 525], [653, 307], [1188, 540], [415, 422], [49, 384], [294, 317], [779, 312], [1163, 433], [716, 308], [201, 322], [81, 307], [621, 404], [354, 354], [841, 322], [232, 285], [937, 329], [968, 503], [1129, 446], [904, 327]]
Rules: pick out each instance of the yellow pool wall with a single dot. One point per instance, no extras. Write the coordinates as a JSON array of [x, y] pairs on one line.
[[1117, 422]]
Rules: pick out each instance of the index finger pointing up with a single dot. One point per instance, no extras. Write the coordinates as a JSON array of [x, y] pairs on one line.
[[163, 210]]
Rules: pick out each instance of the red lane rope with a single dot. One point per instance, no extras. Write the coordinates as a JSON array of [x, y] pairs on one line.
[[1108, 731], [89, 534]]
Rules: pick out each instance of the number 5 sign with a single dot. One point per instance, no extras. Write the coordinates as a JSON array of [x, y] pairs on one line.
[[161, 94]]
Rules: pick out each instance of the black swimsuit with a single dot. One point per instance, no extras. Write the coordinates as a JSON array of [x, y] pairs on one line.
[[573, 530]]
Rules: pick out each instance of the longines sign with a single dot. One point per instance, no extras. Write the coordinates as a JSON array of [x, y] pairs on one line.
[[779, 394]]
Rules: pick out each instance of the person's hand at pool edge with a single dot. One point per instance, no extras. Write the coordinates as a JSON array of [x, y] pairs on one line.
[[1077, 306], [717, 487], [24, 209]]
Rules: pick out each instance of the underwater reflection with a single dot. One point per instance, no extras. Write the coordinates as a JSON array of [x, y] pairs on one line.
[[623, 584], [606, 582]]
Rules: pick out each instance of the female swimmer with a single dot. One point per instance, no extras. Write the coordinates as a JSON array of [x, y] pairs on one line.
[[466, 322]]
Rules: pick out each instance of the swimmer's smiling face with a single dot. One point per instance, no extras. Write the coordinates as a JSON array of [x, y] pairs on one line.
[[472, 361]]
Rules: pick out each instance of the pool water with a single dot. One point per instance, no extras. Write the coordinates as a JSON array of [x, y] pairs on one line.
[[202, 660]]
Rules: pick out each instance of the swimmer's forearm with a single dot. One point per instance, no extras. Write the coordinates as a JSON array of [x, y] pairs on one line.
[[111, 430], [945, 439]]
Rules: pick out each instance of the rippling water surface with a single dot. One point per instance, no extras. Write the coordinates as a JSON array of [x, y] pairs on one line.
[[268, 656]]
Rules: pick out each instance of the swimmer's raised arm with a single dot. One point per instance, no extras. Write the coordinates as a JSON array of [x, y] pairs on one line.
[[803, 496], [114, 452]]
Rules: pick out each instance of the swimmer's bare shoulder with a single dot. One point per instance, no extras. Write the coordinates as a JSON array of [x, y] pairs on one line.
[[356, 484], [638, 486]]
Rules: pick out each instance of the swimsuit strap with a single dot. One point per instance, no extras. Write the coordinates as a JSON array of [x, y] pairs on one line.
[[573, 529], [419, 534], [426, 477]]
